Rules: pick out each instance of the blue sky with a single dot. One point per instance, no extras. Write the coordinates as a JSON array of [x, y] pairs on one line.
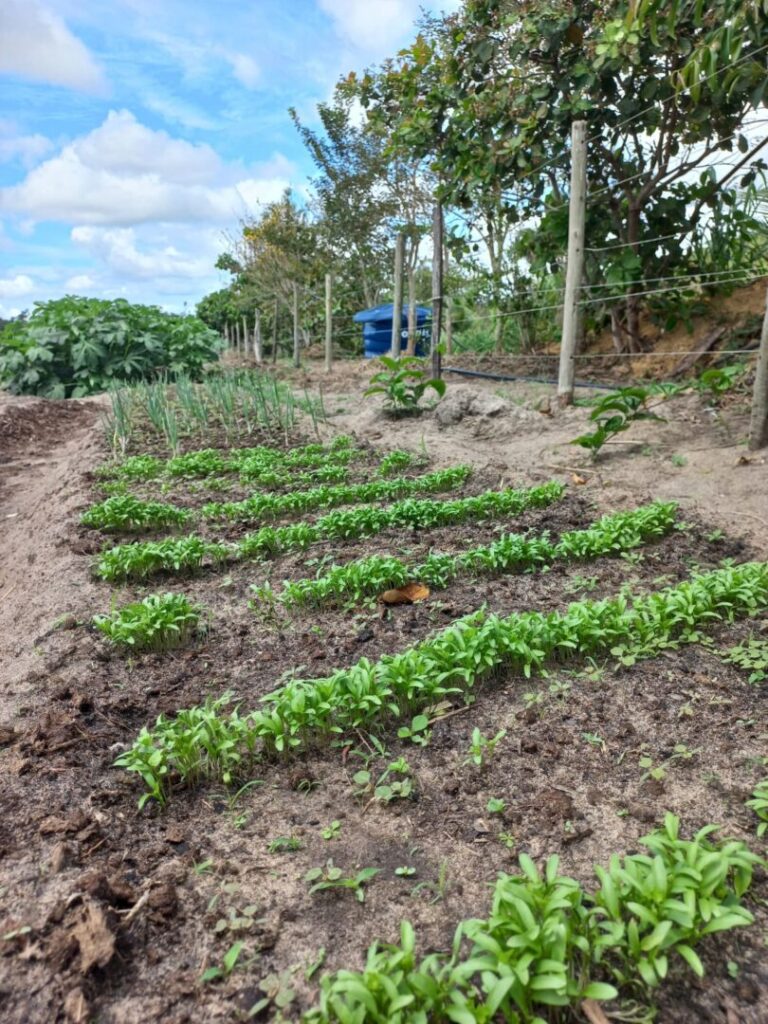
[[134, 134]]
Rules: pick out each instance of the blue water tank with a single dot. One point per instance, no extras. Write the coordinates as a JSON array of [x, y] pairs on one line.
[[377, 329]]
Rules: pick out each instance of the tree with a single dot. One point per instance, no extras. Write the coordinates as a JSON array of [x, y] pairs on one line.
[[354, 197], [488, 96]]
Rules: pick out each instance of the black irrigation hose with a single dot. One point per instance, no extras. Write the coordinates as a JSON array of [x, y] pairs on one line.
[[528, 380]]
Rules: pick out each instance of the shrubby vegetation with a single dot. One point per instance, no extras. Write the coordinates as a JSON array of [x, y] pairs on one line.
[[75, 346]]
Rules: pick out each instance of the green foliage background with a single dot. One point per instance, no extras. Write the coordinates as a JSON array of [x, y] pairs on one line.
[[76, 346]]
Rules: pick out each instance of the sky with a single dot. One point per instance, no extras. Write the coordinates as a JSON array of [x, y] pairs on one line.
[[136, 134]]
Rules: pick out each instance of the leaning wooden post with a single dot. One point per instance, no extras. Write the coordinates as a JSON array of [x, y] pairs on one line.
[[437, 287], [575, 264], [258, 354], [245, 336], [274, 332], [397, 304], [328, 322], [758, 426], [296, 335]]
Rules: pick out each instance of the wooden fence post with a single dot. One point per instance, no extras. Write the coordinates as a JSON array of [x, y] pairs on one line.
[[758, 426], [296, 335], [274, 331], [575, 264], [328, 322], [245, 336], [258, 354], [397, 305], [437, 287]]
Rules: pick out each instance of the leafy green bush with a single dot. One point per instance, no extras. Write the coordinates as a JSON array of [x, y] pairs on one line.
[[403, 383], [157, 623], [75, 346], [614, 414]]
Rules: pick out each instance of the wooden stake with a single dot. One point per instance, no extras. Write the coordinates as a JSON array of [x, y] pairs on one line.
[[296, 335], [397, 305], [245, 336], [437, 288], [274, 332], [575, 264], [258, 354], [758, 426], [411, 347], [328, 322]]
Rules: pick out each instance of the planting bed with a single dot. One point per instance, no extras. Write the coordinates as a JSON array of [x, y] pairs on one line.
[[114, 914]]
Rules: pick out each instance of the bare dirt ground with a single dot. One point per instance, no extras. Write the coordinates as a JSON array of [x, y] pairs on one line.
[[111, 915]]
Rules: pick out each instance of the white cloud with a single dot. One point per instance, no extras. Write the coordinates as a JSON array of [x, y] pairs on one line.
[[27, 149], [124, 146], [124, 173], [14, 287], [80, 283], [245, 69], [35, 43], [375, 24], [117, 248]]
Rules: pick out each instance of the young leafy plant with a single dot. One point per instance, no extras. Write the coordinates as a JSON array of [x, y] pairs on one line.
[[614, 414], [759, 804], [157, 623], [454, 661], [126, 513], [331, 877], [403, 383]]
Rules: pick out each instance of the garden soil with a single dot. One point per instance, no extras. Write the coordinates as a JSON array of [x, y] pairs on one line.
[[113, 915]]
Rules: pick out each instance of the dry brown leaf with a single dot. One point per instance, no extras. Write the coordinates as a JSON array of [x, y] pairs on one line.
[[94, 937], [594, 1012], [578, 480], [411, 593]]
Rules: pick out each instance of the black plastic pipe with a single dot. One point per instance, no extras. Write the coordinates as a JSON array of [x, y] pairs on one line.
[[527, 380]]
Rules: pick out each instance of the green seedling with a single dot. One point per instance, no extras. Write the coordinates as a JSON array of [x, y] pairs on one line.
[[157, 623], [128, 514], [614, 414], [751, 655], [405, 871], [759, 804], [332, 831], [278, 991], [454, 661], [482, 748], [394, 783], [331, 877], [284, 844], [403, 383], [353, 581], [496, 805], [228, 964], [417, 732]]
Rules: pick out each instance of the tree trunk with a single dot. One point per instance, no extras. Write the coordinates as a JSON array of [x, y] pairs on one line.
[[634, 339]]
